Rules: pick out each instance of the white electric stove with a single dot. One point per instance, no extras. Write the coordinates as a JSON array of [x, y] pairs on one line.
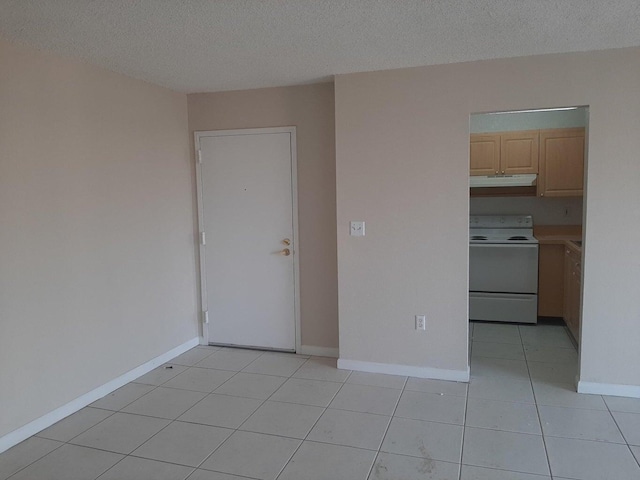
[[503, 269]]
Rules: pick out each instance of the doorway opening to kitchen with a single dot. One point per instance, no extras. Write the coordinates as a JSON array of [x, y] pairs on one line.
[[526, 229]]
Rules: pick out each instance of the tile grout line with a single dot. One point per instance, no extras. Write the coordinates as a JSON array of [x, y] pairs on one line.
[[314, 423], [466, 404], [384, 436], [236, 429], [535, 399], [171, 421], [620, 430]]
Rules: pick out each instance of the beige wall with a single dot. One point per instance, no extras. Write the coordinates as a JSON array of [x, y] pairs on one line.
[[97, 267], [310, 108], [402, 166]]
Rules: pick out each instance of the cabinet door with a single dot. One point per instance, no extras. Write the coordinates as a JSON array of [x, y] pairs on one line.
[[551, 280], [576, 290], [568, 288], [485, 154], [519, 152], [561, 162]]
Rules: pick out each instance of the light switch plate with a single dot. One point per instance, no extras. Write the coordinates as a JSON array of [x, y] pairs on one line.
[[356, 229]]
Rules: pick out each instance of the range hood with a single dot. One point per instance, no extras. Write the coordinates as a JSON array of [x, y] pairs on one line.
[[528, 180]]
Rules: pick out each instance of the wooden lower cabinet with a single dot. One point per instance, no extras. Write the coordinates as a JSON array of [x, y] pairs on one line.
[[551, 280], [572, 289]]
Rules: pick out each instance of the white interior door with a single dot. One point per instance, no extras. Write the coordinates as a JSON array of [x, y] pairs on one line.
[[247, 211]]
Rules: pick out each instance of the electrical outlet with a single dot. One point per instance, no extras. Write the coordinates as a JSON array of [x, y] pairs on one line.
[[356, 229], [421, 322]]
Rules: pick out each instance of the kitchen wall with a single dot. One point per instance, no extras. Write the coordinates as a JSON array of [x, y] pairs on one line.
[[311, 109], [402, 155], [513, 121], [545, 211], [97, 265]]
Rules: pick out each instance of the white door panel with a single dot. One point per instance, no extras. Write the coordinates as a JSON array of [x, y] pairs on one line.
[[247, 213]]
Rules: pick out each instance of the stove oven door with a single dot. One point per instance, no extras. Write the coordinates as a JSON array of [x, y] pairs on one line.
[[503, 268]]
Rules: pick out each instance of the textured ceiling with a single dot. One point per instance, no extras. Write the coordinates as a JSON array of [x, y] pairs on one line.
[[203, 46]]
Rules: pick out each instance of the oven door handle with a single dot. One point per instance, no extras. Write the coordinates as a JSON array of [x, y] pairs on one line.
[[502, 245]]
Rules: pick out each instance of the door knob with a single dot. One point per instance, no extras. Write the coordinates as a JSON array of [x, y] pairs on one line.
[[286, 252], [286, 241]]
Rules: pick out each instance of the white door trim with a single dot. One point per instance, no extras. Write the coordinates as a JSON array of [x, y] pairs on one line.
[[294, 203]]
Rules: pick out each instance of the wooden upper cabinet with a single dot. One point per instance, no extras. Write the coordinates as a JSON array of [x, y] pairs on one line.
[[519, 152], [561, 163], [485, 154], [506, 153]]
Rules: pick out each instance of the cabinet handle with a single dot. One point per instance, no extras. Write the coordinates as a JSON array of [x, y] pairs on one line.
[[542, 194], [502, 171]]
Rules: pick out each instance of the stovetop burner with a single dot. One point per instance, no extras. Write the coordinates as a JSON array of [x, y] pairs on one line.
[[517, 237], [478, 237]]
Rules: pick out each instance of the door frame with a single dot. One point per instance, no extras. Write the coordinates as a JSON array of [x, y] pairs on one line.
[[202, 316]]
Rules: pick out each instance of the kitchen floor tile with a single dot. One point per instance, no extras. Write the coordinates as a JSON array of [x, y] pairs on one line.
[[183, 443], [280, 365], [159, 375], [132, 468], [508, 351], [377, 380], [75, 424], [431, 407], [120, 398], [121, 432], [269, 454], [506, 416], [553, 372], [321, 368], [307, 392], [436, 386], [366, 399], [389, 466], [500, 388], [310, 463], [565, 395], [69, 462], [24, 454], [165, 403], [498, 367], [200, 379], [352, 429], [494, 332], [284, 419], [480, 473], [629, 424], [415, 438], [551, 355], [588, 460], [229, 359], [251, 385], [622, 404], [545, 336], [579, 423], [221, 411], [519, 452]]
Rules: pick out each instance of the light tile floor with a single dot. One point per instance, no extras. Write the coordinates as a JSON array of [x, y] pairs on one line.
[[223, 414]]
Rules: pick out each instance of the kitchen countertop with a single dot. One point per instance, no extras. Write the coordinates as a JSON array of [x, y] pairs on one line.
[[559, 235]]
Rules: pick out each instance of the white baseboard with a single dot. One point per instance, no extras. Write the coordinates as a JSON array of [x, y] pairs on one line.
[[318, 351], [405, 370], [39, 424], [613, 389]]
